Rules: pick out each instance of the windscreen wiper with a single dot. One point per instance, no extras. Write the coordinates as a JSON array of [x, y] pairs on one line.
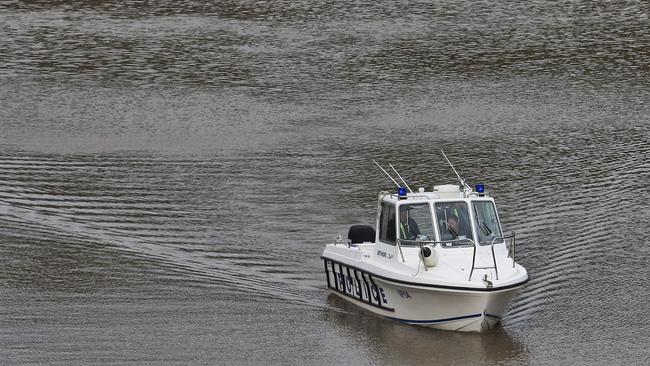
[[481, 224], [452, 231]]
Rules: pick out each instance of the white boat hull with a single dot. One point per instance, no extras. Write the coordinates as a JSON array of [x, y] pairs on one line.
[[440, 307]]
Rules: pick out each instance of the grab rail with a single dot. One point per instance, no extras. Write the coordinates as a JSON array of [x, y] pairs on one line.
[[419, 242], [459, 241], [415, 242], [513, 249], [469, 242], [494, 259]]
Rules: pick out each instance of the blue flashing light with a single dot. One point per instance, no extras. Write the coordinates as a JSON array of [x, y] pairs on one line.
[[401, 192], [480, 188]]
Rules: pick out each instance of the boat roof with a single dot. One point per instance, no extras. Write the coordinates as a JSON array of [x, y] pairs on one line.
[[447, 192]]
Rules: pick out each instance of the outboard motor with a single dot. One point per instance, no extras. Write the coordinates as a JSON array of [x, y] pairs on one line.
[[361, 234]]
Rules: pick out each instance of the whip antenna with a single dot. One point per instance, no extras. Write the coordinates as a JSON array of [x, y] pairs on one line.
[[462, 181], [400, 177], [385, 172]]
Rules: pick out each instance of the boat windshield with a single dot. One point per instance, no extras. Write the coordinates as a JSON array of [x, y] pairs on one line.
[[415, 222], [453, 222], [487, 222]]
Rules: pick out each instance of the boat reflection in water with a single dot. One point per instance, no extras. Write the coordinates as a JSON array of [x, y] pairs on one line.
[[396, 343]]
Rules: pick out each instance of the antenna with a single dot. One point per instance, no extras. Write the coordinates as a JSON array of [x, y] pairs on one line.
[[400, 177], [462, 181], [385, 172]]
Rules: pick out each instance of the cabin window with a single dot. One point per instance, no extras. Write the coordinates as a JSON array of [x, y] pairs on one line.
[[453, 221], [387, 223], [487, 222], [415, 223]]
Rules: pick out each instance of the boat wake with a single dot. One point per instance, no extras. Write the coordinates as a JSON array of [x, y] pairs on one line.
[[143, 217]]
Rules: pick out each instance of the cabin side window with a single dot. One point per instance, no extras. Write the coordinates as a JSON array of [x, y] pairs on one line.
[[453, 221], [387, 223]]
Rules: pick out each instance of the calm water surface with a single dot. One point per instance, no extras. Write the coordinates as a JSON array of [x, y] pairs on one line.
[[170, 173]]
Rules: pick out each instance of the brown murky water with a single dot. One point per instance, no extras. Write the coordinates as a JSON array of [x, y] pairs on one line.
[[170, 172]]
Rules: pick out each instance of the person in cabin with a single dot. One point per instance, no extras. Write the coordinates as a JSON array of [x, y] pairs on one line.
[[452, 228], [462, 216], [408, 228]]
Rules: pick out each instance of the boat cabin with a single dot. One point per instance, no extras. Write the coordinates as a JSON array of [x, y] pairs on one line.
[[448, 216]]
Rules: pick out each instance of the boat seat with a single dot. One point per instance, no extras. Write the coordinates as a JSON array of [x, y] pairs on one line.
[[361, 234]]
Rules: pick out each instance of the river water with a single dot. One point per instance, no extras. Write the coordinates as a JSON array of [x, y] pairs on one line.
[[170, 173]]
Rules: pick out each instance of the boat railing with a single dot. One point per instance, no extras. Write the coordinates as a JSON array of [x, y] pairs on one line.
[[419, 243], [511, 247], [494, 259], [466, 242]]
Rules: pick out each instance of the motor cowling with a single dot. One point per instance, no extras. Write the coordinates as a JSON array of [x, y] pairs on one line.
[[361, 234]]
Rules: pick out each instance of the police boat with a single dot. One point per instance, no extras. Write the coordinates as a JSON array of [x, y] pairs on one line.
[[436, 258]]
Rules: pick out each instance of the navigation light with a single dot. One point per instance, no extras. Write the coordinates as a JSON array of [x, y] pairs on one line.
[[401, 192]]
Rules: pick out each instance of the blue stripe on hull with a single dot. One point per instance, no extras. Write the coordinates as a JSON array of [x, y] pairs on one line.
[[436, 320]]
